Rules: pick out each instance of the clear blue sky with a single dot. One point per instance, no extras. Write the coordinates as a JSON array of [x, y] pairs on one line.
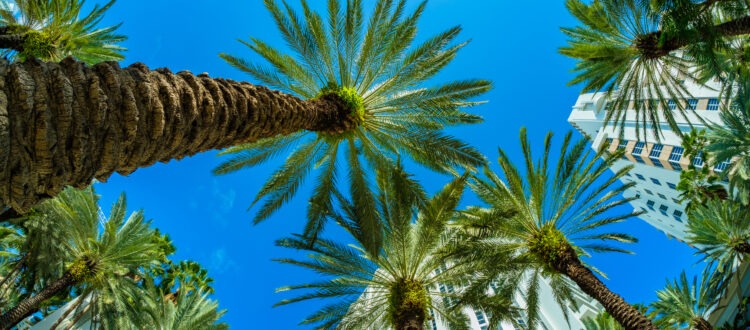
[[514, 43]]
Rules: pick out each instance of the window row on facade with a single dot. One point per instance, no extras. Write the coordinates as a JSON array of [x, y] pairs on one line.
[[709, 104], [659, 155]]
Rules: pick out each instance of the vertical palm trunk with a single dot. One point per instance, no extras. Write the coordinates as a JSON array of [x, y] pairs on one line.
[[702, 324], [629, 317], [31, 305], [411, 322], [66, 123]]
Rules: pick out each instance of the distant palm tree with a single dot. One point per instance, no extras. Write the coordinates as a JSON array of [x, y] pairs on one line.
[[50, 30], [629, 49], [96, 257], [561, 212], [720, 230], [375, 68], [682, 305], [187, 311], [396, 288]]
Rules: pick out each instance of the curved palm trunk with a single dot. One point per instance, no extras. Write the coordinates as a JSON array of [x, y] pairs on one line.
[[30, 305], [66, 123], [629, 317], [702, 324]]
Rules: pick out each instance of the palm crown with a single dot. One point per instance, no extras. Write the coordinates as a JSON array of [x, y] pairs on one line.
[[685, 305], [560, 214], [387, 289], [372, 66], [68, 236], [53, 29], [720, 230]]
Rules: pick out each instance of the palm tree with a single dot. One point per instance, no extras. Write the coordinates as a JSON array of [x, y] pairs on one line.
[[643, 51], [720, 230], [396, 288], [98, 259], [117, 120], [682, 305], [188, 311], [602, 321], [560, 216], [54, 29], [380, 73]]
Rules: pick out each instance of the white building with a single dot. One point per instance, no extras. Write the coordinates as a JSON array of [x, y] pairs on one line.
[[657, 165]]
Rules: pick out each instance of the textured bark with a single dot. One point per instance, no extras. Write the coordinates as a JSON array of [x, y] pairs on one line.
[[30, 305], [413, 322], [67, 123], [652, 45], [629, 317], [702, 324]]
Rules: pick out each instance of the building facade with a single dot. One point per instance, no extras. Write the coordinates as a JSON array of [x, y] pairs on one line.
[[657, 162]]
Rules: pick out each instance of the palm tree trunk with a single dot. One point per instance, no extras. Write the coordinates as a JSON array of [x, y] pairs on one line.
[[629, 317], [411, 322], [30, 305], [66, 123], [652, 45], [702, 324]]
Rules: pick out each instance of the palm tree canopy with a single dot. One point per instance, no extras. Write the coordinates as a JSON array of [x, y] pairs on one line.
[[69, 234], [602, 321], [683, 304], [375, 66], [554, 206], [376, 290], [54, 29], [188, 311], [720, 230]]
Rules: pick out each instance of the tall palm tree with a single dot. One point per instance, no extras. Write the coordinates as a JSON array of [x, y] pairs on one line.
[[53, 29], [720, 230], [117, 120], [641, 51], [378, 70], [396, 288], [562, 211], [682, 305], [96, 257]]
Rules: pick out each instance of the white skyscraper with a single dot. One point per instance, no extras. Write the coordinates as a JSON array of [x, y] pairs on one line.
[[657, 165]]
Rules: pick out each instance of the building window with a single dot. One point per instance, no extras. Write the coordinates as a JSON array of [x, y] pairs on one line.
[[692, 104], [655, 153], [672, 104], [663, 209], [698, 160], [677, 214], [638, 150], [675, 156], [650, 204], [640, 177], [676, 201], [481, 319], [648, 191], [720, 167], [713, 104], [662, 196], [656, 182]]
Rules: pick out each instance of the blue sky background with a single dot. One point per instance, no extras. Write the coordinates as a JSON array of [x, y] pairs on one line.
[[514, 43]]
